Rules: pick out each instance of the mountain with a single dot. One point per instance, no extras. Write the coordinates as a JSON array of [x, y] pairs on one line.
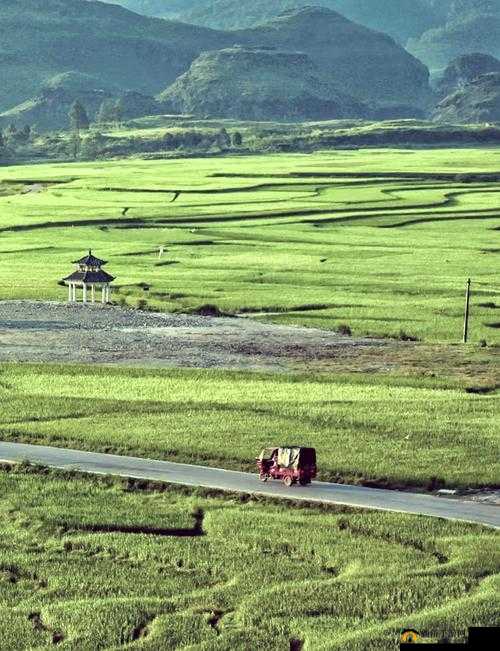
[[462, 70], [49, 109], [472, 26], [478, 101], [51, 105], [363, 63], [460, 9], [401, 19], [43, 38], [146, 55], [258, 84], [157, 8]]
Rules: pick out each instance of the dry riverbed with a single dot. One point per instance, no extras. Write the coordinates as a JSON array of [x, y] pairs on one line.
[[61, 332]]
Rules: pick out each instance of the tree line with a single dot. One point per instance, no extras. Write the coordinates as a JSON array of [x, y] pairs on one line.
[[112, 111], [85, 140]]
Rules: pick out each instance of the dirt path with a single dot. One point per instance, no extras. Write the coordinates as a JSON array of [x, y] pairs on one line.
[[59, 332]]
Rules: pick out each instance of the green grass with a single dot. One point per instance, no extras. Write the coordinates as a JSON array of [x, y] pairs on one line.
[[271, 234], [391, 429], [260, 576]]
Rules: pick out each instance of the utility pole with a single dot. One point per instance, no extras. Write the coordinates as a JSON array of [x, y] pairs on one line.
[[467, 311]]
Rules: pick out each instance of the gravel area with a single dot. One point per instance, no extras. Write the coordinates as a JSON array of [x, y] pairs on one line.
[[62, 332]]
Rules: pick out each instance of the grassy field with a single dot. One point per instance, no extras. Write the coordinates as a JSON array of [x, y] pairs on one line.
[[379, 240], [250, 575], [301, 136], [380, 429]]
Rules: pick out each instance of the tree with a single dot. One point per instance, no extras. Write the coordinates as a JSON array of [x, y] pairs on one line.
[[105, 113], [223, 139], [78, 118], [119, 110], [24, 135], [169, 140], [93, 145], [237, 139], [3, 146], [11, 134], [110, 111], [75, 143]]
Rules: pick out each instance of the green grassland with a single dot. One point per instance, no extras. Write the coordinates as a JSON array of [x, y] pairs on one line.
[[181, 136], [375, 429], [299, 136], [380, 240], [257, 575]]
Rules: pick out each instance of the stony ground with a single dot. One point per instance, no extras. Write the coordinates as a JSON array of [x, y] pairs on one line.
[[62, 332]]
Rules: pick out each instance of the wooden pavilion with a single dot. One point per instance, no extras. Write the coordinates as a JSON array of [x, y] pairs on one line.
[[90, 276]]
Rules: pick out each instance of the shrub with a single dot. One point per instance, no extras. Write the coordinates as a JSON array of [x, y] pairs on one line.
[[208, 310], [404, 336], [344, 329]]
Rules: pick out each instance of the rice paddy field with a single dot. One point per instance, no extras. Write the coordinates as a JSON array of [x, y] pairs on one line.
[[93, 564], [377, 429], [379, 240], [376, 242]]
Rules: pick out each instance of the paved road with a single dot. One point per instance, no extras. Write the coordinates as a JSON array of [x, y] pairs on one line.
[[177, 473]]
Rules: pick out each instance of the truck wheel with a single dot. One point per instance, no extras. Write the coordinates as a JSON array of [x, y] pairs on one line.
[[304, 482], [288, 481], [263, 478]]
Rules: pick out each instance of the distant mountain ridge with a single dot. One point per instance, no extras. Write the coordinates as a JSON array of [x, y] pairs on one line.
[[365, 64], [40, 39], [43, 39], [471, 26], [401, 19], [435, 31]]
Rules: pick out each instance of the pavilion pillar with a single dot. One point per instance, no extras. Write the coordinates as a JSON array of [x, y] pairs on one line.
[[109, 294], [92, 289], [70, 293], [104, 293], [84, 293], [74, 293]]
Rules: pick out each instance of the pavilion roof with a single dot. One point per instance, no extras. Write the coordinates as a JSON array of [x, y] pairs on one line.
[[90, 261], [89, 277]]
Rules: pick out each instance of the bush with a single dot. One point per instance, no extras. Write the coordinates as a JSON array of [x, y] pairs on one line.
[[404, 336], [344, 329], [142, 304], [207, 310]]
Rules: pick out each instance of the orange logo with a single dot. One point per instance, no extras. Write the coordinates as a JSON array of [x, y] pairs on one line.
[[410, 636]]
